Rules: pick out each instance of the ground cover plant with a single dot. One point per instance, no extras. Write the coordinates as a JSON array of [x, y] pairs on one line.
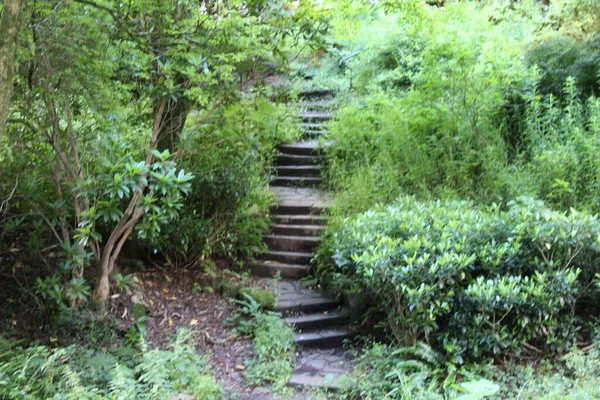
[[76, 373]]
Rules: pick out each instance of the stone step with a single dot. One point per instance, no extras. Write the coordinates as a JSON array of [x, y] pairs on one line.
[[315, 134], [292, 159], [317, 116], [291, 307], [301, 148], [296, 181], [302, 323], [311, 127], [314, 104], [325, 339], [324, 369], [319, 93], [299, 219], [271, 268], [313, 171], [292, 243], [299, 230], [288, 257], [323, 381], [294, 210]]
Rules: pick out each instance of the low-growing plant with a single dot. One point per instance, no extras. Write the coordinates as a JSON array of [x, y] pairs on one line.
[[273, 344], [412, 373], [77, 373]]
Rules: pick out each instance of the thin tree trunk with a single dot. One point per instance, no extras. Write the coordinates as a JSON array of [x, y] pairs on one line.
[[119, 235], [9, 33]]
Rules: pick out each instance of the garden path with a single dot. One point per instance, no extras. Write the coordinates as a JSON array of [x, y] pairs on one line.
[[298, 220]]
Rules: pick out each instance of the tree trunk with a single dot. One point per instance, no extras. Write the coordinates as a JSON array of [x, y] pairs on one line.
[[173, 118], [9, 33]]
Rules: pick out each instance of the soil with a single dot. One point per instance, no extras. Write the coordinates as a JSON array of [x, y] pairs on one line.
[[176, 300]]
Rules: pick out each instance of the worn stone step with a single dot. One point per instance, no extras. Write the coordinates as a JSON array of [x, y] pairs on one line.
[[312, 126], [319, 93], [313, 171], [325, 339], [314, 104], [321, 320], [292, 159], [324, 369], [298, 230], [292, 210], [299, 219], [316, 116], [296, 181], [271, 268], [288, 257], [291, 307], [305, 148], [315, 134], [328, 382], [292, 243]]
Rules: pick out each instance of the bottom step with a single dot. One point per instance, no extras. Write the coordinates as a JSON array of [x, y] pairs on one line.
[[328, 382], [325, 369]]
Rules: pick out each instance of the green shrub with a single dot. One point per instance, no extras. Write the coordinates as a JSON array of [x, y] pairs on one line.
[[76, 373], [560, 57], [474, 281], [226, 211]]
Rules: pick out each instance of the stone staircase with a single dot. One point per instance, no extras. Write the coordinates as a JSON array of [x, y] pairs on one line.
[[297, 223]]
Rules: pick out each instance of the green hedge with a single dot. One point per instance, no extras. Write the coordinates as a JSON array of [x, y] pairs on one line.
[[471, 280]]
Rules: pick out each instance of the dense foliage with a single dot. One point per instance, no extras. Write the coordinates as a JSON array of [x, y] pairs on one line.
[[470, 100], [474, 281]]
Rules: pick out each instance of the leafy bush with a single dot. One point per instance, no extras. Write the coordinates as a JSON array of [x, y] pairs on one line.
[[76, 373], [474, 281], [559, 57], [226, 211]]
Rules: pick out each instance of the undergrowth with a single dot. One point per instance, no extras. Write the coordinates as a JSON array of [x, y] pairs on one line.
[[76, 373], [273, 344]]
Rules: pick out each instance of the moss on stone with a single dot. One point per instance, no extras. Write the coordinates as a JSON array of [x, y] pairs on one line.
[[264, 297]]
